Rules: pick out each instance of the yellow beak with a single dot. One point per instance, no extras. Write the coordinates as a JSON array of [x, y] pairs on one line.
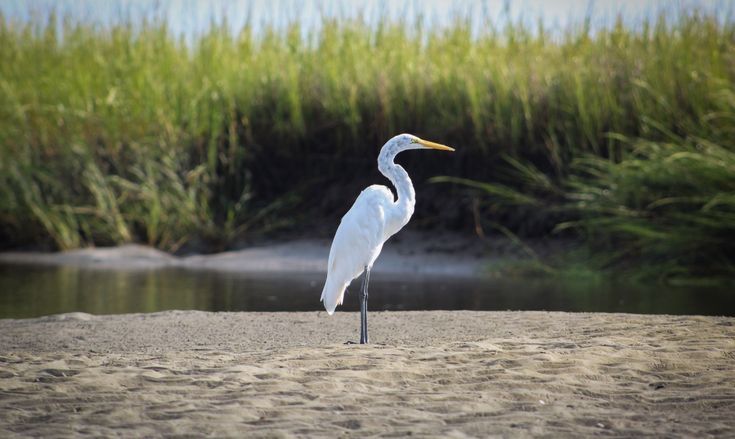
[[433, 145]]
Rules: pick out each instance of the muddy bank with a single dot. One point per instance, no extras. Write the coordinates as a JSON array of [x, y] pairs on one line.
[[413, 253], [409, 253]]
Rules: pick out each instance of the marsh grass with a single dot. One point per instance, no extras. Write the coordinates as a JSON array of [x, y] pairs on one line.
[[127, 133], [669, 203]]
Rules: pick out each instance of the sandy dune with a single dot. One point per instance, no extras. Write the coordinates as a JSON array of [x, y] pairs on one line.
[[443, 374]]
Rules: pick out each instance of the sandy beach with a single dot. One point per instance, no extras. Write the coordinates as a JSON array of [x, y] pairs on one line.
[[440, 374]]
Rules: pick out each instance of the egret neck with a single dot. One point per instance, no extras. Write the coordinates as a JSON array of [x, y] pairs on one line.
[[404, 206]]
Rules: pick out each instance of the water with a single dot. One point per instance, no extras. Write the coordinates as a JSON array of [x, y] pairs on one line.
[[30, 291]]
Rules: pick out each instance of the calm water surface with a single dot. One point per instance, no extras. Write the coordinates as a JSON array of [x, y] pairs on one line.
[[30, 291]]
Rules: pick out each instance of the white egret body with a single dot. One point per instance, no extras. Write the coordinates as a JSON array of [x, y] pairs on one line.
[[373, 218]]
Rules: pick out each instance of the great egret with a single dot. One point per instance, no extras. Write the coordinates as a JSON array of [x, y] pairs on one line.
[[375, 217]]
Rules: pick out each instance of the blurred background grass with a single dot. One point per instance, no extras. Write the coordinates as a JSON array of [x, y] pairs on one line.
[[622, 138]]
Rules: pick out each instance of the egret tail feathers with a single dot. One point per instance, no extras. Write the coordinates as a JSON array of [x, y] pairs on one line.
[[332, 295]]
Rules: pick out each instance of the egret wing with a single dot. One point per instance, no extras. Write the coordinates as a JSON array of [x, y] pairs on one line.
[[356, 244]]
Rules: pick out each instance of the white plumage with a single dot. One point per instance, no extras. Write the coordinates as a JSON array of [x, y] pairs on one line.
[[357, 243], [374, 217]]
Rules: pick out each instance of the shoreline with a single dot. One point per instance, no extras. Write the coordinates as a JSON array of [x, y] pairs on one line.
[[428, 373], [411, 253]]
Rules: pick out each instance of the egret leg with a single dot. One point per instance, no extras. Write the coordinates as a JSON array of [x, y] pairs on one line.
[[363, 307]]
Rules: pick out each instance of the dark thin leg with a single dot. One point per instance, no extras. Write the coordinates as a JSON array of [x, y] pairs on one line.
[[363, 308]]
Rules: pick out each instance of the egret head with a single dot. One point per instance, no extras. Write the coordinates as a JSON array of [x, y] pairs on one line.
[[403, 142]]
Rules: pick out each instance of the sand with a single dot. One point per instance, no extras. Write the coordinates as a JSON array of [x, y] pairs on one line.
[[437, 374]]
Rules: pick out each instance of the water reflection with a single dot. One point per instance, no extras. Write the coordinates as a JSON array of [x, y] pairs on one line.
[[29, 291]]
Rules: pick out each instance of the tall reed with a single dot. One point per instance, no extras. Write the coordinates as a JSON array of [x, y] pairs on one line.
[[128, 133]]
